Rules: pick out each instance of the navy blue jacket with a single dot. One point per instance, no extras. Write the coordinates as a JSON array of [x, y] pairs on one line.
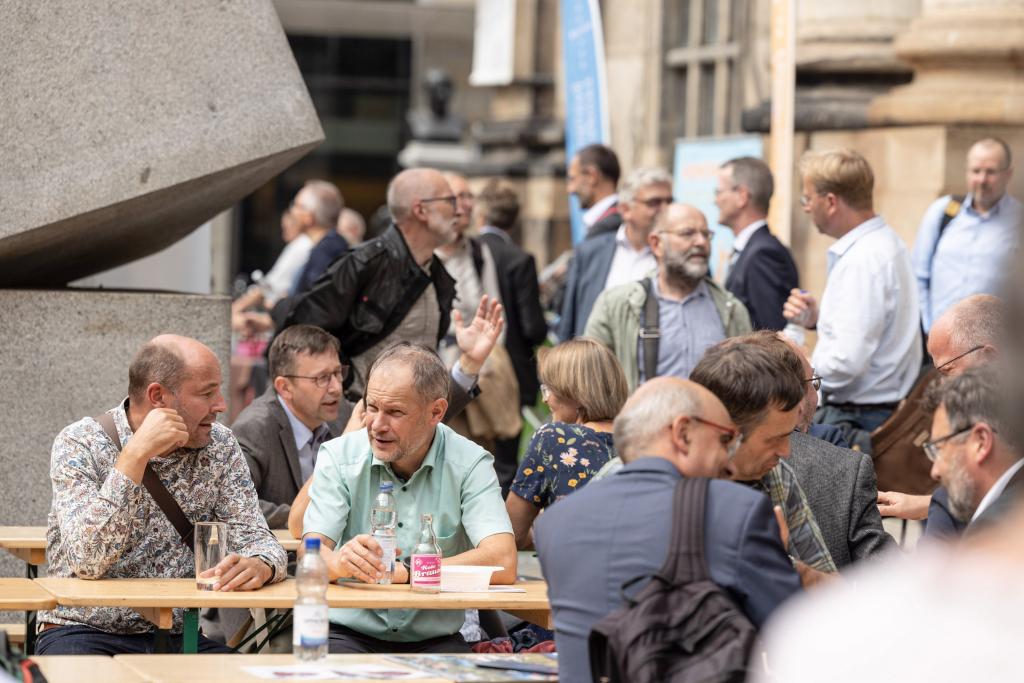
[[762, 277], [618, 528]]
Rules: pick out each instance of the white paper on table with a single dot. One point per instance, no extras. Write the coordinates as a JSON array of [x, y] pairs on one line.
[[491, 589], [334, 672]]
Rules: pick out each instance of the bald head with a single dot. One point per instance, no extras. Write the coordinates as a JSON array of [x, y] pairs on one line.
[[413, 185], [678, 216], [647, 414], [968, 333]]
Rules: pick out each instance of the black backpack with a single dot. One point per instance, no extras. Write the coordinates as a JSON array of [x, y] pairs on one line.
[[680, 627]]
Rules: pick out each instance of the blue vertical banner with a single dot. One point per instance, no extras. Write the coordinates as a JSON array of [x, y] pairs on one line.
[[586, 88]]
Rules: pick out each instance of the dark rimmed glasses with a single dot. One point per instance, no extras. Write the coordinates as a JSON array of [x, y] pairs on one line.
[[735, 437], [931, 448], [324, 379], [815, 381]]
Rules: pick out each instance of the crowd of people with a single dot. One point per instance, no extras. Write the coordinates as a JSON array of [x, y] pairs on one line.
[[408, 358]]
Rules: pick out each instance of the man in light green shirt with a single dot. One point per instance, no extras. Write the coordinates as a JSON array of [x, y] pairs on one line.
[[434, 470]]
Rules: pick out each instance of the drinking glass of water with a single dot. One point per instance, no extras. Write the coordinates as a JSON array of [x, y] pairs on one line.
[[211, 540]]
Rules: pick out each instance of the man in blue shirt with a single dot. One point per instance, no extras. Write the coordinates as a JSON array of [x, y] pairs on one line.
[[434, 470], [967, 256]]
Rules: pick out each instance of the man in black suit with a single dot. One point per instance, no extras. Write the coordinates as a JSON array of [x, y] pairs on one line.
[[525, 328], [761, 270]]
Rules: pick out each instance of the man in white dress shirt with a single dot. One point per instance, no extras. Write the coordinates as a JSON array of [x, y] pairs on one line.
[[869, 339]]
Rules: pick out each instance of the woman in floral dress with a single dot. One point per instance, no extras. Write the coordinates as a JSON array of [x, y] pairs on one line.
[[584, 386]]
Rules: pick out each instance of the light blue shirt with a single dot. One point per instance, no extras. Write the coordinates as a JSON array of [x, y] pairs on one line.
[[688, 328], [456, 483], [869, 337], [969, 259], [303, 440]]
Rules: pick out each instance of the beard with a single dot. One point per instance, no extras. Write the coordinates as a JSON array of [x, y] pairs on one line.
[[683, 266], [962, 492]]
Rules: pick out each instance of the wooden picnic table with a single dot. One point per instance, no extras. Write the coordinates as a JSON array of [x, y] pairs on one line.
[[156, 598], [27, 543], [24, 594], [79, 668]]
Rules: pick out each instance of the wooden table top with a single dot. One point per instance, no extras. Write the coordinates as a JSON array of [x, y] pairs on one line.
[[24, 594], [286, 540], [183, 593], [77, 668], [23, 537], [223, 668]]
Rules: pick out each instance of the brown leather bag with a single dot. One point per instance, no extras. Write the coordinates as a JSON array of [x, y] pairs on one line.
[[897, 445]]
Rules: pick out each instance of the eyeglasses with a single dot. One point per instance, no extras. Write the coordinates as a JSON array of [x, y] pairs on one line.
[[931, 448], [728, 189], [466, 196], [545, 392], [688, 234], [325, 379], [655, 202], [815, 381], [735, 438], [945, 367], [451, 199]]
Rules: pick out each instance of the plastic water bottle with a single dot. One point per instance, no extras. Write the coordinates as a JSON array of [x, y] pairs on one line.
[[425, 576], [383, 518], [309, 629]]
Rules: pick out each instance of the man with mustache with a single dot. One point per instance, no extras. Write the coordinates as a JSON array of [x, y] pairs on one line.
[[662, 325]]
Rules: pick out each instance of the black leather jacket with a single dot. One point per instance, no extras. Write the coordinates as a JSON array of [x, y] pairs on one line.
[[364, 295]]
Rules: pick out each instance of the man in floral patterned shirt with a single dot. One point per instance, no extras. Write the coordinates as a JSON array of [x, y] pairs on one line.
[[103, 522]]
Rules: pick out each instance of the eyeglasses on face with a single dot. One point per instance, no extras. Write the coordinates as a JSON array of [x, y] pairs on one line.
[[947, 367], [734, 436], [720, 191], [325, 379], [931, 448], [452, 200], [815, 381]]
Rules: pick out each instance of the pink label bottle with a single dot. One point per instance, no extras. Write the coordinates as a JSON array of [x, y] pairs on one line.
[[425, 574]]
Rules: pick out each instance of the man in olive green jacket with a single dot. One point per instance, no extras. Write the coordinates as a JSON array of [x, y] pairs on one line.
[[693, 313]]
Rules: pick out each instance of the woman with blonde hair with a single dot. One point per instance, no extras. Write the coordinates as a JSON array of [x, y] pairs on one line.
[[583, 384]]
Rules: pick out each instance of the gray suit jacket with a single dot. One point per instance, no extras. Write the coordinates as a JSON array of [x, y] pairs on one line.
[[268, 443], [843, 494]]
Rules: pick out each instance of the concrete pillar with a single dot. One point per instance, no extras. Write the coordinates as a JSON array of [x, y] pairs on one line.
[[967, 57]]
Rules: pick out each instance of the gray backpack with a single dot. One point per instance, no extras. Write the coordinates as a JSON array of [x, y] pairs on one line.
[[681, 627]]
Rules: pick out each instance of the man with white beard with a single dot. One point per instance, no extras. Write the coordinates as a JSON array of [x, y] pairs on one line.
[[661, 325]]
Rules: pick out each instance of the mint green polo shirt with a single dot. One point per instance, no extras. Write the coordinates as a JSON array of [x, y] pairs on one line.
[[456, 484]]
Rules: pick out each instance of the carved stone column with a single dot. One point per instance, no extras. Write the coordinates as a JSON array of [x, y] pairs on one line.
[[967, 57]]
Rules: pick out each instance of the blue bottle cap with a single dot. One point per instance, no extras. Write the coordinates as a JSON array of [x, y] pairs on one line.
[[313, 544], [387, 487]]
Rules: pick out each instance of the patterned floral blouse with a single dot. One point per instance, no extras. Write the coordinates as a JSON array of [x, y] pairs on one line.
[[561, 458], [104, 525]]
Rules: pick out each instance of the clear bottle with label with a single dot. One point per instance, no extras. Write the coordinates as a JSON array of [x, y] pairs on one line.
[[425, 565], [383, 518], [309, 618]]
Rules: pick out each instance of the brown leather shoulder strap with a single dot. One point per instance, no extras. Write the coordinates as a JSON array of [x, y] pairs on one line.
[[156, 488]]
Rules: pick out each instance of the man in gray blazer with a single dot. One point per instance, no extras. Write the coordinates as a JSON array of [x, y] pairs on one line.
[[839, 483]]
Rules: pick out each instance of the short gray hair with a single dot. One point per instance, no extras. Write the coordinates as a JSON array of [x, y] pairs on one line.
[[978, 320], [753, 174], [325, 202], [641, 178], [157, 363], [430, 377], [644, 416], [976, 395]]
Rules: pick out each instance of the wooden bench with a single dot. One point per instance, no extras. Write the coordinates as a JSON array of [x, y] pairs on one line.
[[15, 633]]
